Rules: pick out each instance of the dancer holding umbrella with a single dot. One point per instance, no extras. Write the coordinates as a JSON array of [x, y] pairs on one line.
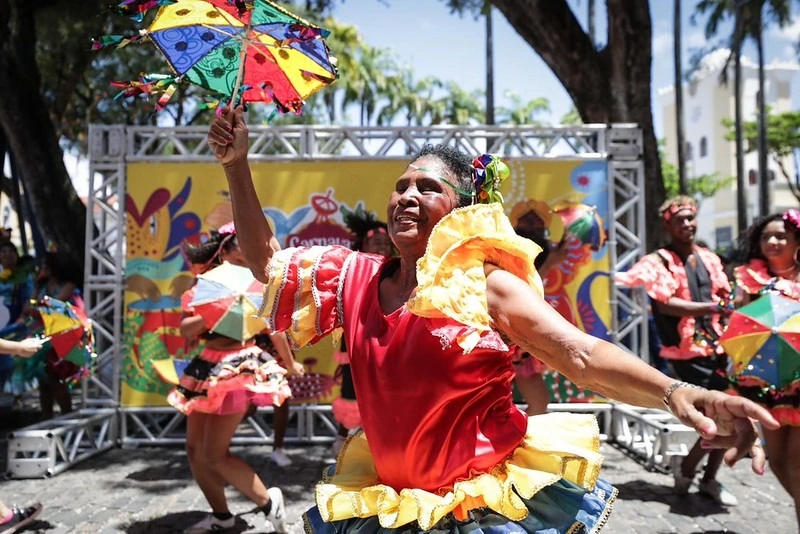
[[763, 338], [444, 447], [230, 374]]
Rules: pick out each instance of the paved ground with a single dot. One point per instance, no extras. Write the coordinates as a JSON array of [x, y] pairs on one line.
[[150, 490]]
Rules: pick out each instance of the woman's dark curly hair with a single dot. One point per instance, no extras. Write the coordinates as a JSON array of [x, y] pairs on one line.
[[210, 251], [456, 162], [750, 242], [360, 223]]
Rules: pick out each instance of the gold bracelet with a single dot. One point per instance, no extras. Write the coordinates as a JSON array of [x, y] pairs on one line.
[[666, 399]]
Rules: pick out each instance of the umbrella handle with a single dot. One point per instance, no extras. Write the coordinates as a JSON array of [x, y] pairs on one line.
[[242, 57]]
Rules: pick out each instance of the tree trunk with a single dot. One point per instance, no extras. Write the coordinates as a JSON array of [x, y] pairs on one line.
[[590, 27], [764, 201], [489, 65], [31, 134], [607, 85], [683, 186], [741, 185]]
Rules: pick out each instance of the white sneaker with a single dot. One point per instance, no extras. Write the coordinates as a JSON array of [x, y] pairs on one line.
[[280, 458], [336, 448], [211, 524], [277, 511], [718, 492], [682, 483]]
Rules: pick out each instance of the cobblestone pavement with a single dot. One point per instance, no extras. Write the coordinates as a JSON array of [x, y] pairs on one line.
[[150, 490]]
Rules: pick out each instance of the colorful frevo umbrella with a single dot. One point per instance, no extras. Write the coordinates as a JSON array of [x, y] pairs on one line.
[[228, 298], [68, 331], [170, 370], [583, 222], [242, 51], [763, 342]]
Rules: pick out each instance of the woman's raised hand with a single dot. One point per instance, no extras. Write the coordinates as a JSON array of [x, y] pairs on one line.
[[228, 136]]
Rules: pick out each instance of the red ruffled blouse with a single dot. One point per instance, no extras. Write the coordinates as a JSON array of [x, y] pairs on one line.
[[465, 425]]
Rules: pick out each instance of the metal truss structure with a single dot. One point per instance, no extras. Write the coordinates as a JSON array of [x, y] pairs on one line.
[[48, 448], [113, 147], [651, 436]]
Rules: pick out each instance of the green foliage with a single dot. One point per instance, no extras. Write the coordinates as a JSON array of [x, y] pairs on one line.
[[522, 112], [703, 186], [783, 139], [572, 118]]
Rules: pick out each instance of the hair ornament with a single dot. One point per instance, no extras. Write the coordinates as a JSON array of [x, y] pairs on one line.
[[488, 173], [792, 217]]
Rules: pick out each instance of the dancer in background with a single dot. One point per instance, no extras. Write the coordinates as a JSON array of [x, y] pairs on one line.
[[14, 518], [371, 237], [216, 390], [772, 256], [447, 448], [529, 369], [689, 290]]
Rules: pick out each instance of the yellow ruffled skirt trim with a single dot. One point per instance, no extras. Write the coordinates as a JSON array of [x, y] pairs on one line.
[[556, 446]]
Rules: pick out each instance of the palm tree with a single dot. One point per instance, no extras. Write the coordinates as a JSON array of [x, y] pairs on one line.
[[679, 131], [344, 41], [458, 106], [487, 13], [410, 97], [524, 113], [749, 20]]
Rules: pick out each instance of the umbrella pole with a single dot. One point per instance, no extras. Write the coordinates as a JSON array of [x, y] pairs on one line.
[[242, 57]]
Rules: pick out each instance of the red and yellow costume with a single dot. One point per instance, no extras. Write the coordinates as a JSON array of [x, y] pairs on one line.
[[443, 443], [784, 404]]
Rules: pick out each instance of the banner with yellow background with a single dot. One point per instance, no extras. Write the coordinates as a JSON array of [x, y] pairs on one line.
[[169, 203]]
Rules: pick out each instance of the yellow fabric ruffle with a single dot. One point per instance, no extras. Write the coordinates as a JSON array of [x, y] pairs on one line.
[[450, 276], [558, 445]]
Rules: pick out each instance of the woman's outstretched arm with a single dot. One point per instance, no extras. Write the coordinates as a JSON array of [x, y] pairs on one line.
[[228, 138]]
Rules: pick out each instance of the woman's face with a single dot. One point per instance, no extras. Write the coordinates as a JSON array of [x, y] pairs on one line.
[[778, 246], [233, 256], [419, 201], [378, 243], [8, 257]]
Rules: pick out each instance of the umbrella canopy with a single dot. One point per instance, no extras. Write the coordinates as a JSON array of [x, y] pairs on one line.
[[170, 370], [228, 298], [68, 330], [583, 222], [763, 342], [253, 49]]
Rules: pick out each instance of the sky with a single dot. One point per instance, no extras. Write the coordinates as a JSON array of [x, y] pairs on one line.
[[424, 35]]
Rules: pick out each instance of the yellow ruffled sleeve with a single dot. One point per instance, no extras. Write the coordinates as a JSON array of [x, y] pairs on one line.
[[451, 281]]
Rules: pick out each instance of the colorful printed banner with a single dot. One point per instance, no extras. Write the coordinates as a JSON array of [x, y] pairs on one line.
[[168, 203]]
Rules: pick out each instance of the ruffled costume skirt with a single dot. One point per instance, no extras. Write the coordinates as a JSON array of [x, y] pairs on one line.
[[345, 408], [548, 485], [224, 382], [783, 404]]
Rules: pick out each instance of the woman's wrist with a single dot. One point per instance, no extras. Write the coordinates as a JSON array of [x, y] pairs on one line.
[[670, 391], [237, 166]]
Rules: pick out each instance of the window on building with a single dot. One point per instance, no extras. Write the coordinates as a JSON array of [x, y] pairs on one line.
[[752, 177], [703, 147], [688, 151], [771, 175], [724, 237]]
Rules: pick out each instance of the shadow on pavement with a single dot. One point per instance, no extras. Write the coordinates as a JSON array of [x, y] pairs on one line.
[[691, 505], [174, 523]]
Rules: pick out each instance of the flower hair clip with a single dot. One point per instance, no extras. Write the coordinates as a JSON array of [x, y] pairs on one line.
[[488, 173], [792, 217]]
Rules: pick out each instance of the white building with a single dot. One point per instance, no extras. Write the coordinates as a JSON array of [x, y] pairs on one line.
[[706, 103]]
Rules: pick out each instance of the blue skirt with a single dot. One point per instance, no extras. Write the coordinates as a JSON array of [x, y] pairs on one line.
[[562, 508]]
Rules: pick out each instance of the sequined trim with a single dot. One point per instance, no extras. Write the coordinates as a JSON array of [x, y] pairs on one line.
[[340, 289], [315, 293]]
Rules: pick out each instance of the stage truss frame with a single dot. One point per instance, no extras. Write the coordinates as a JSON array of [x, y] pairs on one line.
[[113, 147]]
